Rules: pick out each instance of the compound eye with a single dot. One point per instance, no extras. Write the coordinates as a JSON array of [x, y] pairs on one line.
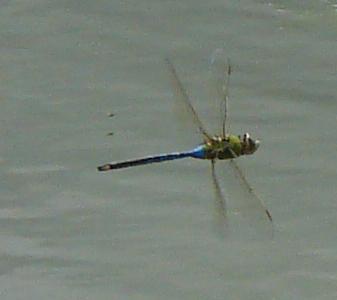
[[246, 137]]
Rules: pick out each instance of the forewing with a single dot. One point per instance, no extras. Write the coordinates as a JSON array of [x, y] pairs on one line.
[[256, 202], [181, 94]]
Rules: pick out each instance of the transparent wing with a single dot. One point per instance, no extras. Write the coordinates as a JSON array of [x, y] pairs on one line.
[[220, 71], [182, 95], [251, 206], [255, 202], [220, 202]]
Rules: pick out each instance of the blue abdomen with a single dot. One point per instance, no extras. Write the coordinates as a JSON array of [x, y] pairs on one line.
[[198, 152]]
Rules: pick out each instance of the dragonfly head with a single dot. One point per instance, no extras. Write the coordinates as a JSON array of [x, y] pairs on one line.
[[248, 145]]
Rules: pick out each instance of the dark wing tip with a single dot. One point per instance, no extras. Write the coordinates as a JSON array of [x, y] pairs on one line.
[[269, 215]]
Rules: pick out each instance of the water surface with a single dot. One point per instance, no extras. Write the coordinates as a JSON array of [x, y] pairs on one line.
[[69, 232]]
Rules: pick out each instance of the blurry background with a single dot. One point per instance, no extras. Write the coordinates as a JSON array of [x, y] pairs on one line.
[[69, 232]]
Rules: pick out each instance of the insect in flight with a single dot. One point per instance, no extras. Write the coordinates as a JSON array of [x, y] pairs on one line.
[[224, 146]]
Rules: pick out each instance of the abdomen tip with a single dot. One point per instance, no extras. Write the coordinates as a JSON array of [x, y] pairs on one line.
[[104, 168]]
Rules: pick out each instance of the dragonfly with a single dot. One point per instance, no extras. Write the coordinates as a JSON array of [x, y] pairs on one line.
[[214, 148]]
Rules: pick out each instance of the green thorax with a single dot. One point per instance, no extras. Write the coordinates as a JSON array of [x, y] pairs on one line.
[[218, 147]]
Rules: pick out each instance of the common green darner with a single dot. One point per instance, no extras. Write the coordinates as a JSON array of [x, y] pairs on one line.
[[224, 146]]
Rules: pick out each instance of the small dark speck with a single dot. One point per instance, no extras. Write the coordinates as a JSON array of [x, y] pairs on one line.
[[110, 134], [110, 115]]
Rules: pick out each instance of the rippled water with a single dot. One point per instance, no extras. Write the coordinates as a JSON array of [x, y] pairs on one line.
[[69, 232]]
